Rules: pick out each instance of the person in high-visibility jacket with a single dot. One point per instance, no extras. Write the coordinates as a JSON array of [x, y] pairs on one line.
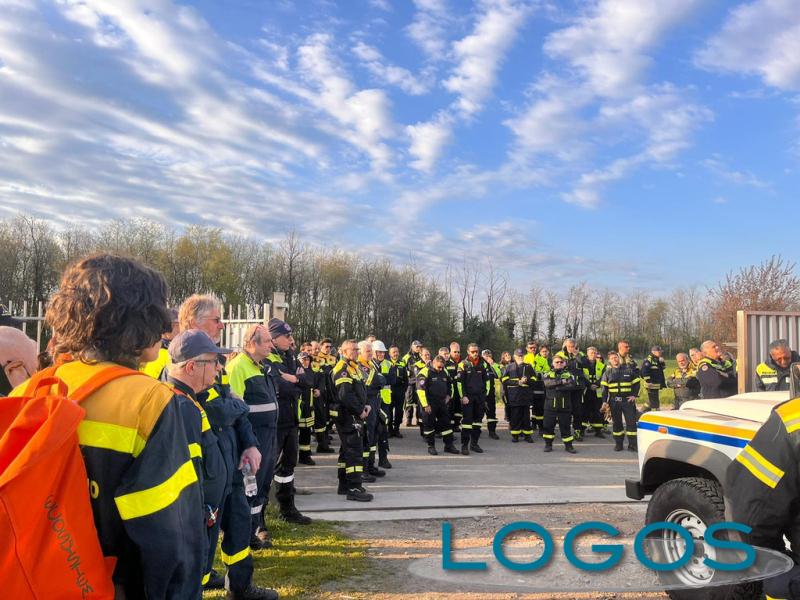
[[389, 372], [593, 396], [257, 386], [434, 389], [374, 383], [145, 495], [541, 365], [309, 382], [413, 370], [495, 375], [227, 414], [323, 362], [290, 387], [717, 376], [411, 358], [653, 376], [620, 389], [532, 348], [472, 381], [683, 381], [193, 369], [765, 479], [349, 411], [518, 379], [575, 361], [773, 374], [560, 384], [451, 365]]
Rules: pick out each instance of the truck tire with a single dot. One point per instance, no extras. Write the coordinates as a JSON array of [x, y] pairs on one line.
[[695, 503]]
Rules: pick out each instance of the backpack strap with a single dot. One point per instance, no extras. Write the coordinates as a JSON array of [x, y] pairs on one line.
[[36, 378], [98, 380]]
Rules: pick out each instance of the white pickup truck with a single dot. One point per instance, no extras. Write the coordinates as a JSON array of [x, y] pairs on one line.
[[683, 457]]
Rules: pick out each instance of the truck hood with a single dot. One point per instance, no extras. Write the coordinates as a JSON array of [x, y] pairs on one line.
[[753, 406]]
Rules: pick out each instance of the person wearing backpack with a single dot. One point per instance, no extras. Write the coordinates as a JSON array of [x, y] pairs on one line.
[[145, 495]]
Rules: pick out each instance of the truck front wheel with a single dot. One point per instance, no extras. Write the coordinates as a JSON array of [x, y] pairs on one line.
[[694, 503]]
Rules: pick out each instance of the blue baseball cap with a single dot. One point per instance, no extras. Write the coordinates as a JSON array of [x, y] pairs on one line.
[[191, 344]]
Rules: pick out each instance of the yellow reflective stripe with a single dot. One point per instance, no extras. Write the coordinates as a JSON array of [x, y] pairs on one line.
[[205, 425], [232, 559], [195, 451], [159, 497], [790, 415], [110, 437], [205, 579], [343, 380], [760, 467], [423, 398], [212, 393]]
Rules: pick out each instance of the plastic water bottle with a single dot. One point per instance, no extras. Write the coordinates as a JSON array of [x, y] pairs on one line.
[[250, 485]]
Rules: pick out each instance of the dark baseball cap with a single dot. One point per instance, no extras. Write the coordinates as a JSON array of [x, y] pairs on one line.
[[655, 349], [277, 327], [303, 355], [191, 344], [416, 343], [519, 352]]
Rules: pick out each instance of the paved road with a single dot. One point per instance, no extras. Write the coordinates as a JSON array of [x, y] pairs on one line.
[[507, 474]]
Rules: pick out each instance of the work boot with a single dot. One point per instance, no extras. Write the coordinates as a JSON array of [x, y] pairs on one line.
[[617, 443], [307, 460], [493, 435], [253, 592], [515, 438], [569, 448], [632, 446], [375, 471], [529, 438], [384, 463], [290, 514], [325, 450], [215, 581], [475, 448], [343, 490], [599, 433], [548, 445], [367, 477], [578, 435], [450, 449], [432, 451], [358, 494], [465, 449]]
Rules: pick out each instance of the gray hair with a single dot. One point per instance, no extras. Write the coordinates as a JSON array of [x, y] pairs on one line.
[[782, 343], [362, 345], [683, 354]]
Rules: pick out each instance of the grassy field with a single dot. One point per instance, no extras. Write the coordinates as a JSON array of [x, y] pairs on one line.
[[303, 558]]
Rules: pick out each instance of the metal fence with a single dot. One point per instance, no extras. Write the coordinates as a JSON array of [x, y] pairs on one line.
[[236, 318], [755, 330]]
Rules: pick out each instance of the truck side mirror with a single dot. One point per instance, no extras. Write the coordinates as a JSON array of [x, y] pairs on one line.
[[794, 380]]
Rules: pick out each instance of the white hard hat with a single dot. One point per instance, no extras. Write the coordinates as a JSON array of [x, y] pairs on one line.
[[378, 346]]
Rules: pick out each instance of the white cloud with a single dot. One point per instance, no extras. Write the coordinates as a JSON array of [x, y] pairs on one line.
[[759, 38], [608, 45], [366, 111], [429, 27], [391, 74], [480, 54], [428, 140], [717, 165]]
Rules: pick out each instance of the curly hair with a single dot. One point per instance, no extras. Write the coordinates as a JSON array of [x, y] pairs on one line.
[[108, 308]]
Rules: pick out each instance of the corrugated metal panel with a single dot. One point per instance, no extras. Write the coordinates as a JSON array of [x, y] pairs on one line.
[[755, 331]]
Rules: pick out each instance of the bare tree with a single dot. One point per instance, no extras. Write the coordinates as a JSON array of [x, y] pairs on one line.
[[771, 285]]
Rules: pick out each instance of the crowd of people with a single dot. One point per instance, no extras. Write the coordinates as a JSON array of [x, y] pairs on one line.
[[220, 427]]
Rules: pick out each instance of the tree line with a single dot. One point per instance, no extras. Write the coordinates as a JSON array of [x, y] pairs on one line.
[[340, 294]]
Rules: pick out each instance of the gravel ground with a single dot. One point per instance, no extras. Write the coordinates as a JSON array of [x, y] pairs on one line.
[[395, 544]]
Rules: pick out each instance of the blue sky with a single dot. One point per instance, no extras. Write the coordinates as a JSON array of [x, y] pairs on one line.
[[631, 143]]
